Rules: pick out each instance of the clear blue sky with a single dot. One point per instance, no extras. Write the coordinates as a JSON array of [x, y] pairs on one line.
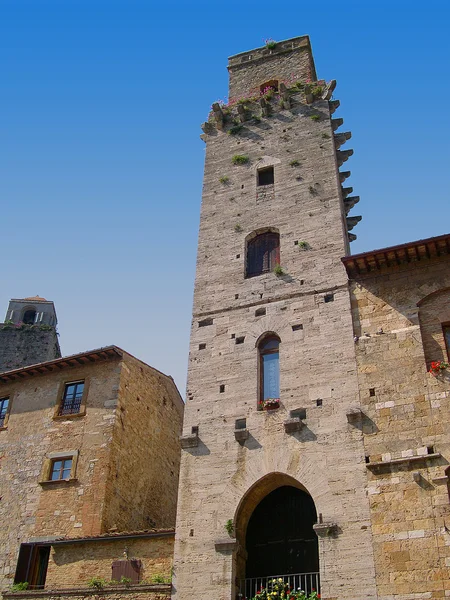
[[101, 161]]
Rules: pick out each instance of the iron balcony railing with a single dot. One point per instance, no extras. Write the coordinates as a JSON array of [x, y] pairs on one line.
[[307, 582]]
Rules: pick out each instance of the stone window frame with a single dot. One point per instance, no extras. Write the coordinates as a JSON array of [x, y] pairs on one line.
[[263, 339], [50, 459], [8, 397], [60, 397], [274, 255]]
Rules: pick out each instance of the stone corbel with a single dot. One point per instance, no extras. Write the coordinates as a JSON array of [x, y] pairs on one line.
[[189, 441], [218, 114], [343, 156], [329, 89], [325, 529], [285, 95], [309, 97], [354, 415], [265, 107], [242, 113], [352, 222], [226, 545], [336, 123], [240, 435], [341, 138], [293, 424], [334, 105]]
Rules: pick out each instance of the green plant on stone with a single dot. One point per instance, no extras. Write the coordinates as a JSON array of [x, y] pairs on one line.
[[316, 90], [235, 129], [240, 159], [97, 583], [125, 580], [326, 136], [229, 526], [224, 179], [294, 163], [237, 228], [19, 587], [315, 117], [304, 245], [278, 270], [158, 578], [256, 118], [270, 43]]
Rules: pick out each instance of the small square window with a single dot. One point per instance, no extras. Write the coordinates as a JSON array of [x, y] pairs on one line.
[[266, 176], [4, 403], [60, 469], [72, 397]]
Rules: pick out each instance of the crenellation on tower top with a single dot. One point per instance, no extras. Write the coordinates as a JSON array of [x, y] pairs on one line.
[[287, 60]]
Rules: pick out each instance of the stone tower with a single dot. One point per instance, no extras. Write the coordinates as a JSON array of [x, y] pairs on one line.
[[28, 335], [272, 474]]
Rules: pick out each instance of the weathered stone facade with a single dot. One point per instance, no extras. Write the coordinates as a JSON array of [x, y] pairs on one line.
[[361, 424], [120, 479], [308, 307], [398, 310]]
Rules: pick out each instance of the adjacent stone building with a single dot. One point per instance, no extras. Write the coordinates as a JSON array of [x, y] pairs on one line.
[[89, 462], [315, 444], [28, 335]]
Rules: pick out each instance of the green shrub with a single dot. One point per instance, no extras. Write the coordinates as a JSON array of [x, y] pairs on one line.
[[97, 583], [240, 159]]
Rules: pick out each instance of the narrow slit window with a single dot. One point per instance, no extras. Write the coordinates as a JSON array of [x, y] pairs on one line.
[[266, 176], [269, 369]]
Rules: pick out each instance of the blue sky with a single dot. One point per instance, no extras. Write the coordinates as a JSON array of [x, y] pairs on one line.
[[101, 161]]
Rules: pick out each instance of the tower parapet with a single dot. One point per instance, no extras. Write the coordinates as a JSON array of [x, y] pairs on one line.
[[28, 335]]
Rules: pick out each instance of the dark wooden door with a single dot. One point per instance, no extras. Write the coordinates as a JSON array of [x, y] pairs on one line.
[[280, 537]]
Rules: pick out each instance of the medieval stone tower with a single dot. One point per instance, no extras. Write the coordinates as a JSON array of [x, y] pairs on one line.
[[28, 335], [272, 474]]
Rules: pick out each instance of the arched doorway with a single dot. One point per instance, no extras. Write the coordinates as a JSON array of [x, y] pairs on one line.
[[280, 536], [274, 526]]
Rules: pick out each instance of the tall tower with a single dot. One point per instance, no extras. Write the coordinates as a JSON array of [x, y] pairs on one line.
[[273, 475], [28, 335]]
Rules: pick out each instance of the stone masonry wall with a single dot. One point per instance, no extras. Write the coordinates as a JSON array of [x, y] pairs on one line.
[[73, 565], [144, 592], [317, 359], [28, 509], [289, 59], [26, 346], [145, 452], [405, 414]]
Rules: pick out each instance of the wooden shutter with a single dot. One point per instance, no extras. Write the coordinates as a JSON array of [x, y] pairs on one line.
[[24, 563], [263, 253], [131, 569]]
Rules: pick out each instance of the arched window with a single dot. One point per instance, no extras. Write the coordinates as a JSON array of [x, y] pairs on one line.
[[263, 253], [269, 371], [269, 85], [29, 316]]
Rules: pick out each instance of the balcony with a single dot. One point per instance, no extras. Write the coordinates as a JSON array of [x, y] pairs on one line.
[[308, 582]]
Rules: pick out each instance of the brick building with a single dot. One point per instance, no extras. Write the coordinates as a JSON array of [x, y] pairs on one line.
[[315, 445], [89, 463]]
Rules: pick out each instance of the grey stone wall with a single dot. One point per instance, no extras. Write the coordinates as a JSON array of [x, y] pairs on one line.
[[28, 345], [317, 361]]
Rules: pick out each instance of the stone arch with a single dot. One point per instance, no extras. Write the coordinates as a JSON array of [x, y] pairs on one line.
[[28, 315], [434, 320], [265, 489]]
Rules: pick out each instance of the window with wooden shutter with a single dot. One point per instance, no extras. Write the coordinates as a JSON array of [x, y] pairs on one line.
[[263, 253], [127, 569]]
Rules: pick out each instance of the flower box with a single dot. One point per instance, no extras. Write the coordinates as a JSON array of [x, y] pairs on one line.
[[270, 404]]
